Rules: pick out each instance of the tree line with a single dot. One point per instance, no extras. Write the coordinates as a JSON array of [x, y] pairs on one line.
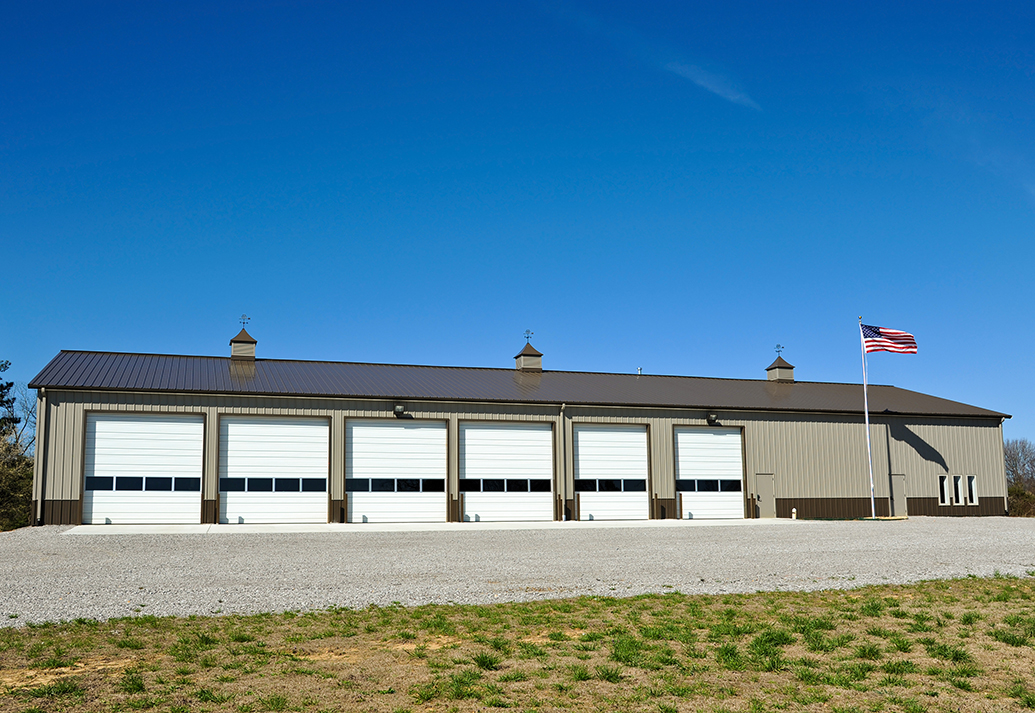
[[17, 448], [1020, 476]]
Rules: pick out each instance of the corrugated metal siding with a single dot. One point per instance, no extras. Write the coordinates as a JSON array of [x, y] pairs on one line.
[[812, 455], [925, 449]]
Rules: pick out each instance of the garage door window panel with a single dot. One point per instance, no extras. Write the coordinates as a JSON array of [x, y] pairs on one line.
[[314, 485]]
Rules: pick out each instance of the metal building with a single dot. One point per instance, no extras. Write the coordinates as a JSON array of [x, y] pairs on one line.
[[145, 438]]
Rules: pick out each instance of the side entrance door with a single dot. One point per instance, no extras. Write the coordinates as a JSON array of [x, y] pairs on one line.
[[898, 495], [766, 495]]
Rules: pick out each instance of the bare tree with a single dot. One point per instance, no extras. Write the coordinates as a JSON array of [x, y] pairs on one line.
[[1020, 462], [17, 442], [24, 434]]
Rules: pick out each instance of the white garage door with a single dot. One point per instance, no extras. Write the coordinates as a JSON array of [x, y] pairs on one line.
[[506, 470], [273, 469], [143, 469], [709, 472], [395, 471], [611, 472]]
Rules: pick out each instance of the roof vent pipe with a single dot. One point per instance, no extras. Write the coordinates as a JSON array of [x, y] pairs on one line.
[[529, 359], [780, 370], [243, 346]]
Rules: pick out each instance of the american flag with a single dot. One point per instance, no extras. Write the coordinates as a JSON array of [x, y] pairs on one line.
[[881, 339]]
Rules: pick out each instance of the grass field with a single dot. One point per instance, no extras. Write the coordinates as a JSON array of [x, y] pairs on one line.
[[959, 645]]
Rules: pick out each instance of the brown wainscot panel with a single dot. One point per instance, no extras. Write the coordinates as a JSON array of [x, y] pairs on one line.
[[665, 509], [929, 506], [33, 520], [338, 512], [209, 512], [569, 509], [832, 508], [62, 512]]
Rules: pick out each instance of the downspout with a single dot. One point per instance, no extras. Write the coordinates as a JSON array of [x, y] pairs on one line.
[[560, 452], [41, 453]]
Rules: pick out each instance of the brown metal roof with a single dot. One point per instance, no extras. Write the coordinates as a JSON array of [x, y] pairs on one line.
[[780, 363], [243, 336], [110, 371], [529, 350]]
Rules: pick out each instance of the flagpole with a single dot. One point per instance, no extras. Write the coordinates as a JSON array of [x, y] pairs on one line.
[[866, 412]]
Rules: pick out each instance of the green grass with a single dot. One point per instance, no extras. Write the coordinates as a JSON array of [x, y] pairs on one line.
[[871, 650]]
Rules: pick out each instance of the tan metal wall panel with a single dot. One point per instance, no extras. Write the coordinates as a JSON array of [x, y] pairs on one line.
[[925, 449], [812, 455]]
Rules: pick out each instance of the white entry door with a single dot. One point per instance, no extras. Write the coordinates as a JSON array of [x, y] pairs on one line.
[[395, 471], [709, 472], [506, 470], [143, 469], [273, 470], [611, 472]]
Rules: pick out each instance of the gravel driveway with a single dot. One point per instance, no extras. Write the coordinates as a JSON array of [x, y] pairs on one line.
[[49, 574]]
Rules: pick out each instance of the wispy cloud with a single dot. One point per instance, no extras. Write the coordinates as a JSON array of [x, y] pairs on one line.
[[714, 83], [655, 54]]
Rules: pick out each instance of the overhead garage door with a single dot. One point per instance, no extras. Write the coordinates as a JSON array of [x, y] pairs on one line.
[[395, 471], [611, 472], [506, 470], [143, 469], [273, 470], [709, 472]]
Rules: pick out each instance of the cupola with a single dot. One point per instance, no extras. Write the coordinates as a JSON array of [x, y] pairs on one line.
[[529, 359], [780, 370], [243, 346]]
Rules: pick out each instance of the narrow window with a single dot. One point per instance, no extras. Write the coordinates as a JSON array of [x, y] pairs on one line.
[[957, 488], [260, 485], [943, 490], [314, 485], [153, 483], [287, 485], [188, 485], [433, 485], [634, 486], [94, 482], [357, 485], [539, 486], [492, 485], [231, 485], [585, 486], [729, 486], [408, 485], [470, 485], [707, 486], [131, 482], [382, 485], [686, 486], [609, 486], [517, 486], [972, 490]]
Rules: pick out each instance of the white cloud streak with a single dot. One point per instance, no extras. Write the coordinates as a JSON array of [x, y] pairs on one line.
[[654, 54], [714, 83]]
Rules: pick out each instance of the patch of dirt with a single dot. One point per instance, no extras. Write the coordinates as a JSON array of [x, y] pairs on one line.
[[25, 677]]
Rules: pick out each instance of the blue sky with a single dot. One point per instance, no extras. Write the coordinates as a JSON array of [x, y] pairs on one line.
[[667, 186]]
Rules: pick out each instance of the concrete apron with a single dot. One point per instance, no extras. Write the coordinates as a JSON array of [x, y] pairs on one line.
[[423, 527]]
